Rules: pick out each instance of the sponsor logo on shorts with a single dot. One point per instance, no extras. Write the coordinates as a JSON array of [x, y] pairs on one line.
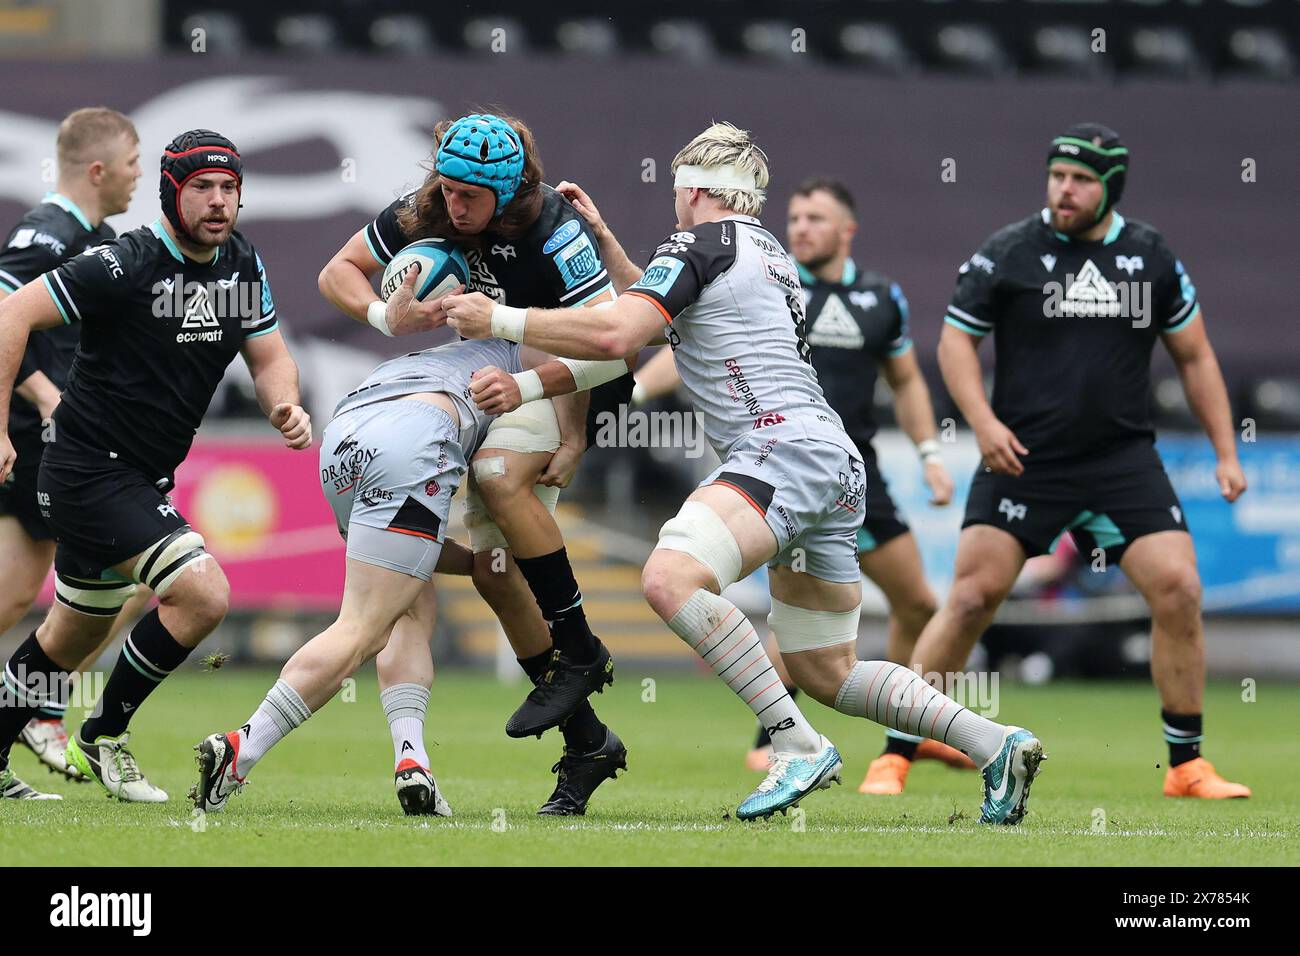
[[431, 487], [350, 459], [765, 451], [1012, 510], [771, 418], [1177, 513], [786, 520], [373, 496], [168, 510], [854, 486]]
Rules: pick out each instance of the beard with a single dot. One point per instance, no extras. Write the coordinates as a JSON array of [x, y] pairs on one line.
[[199, 236], [815, 262], [1083, 221]]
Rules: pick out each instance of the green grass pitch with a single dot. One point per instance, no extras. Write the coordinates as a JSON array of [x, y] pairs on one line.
[[325, 795]]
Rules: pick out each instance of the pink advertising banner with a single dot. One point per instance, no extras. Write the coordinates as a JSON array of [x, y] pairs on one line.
[[259, 507]]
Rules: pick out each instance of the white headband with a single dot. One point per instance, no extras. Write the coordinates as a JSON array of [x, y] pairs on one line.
[[714, 177]]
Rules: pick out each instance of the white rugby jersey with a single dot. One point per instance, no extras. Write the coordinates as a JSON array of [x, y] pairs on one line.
[[734, 307], [446, 368]]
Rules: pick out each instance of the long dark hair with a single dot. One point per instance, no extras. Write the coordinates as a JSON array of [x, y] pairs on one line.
[[427, 216]]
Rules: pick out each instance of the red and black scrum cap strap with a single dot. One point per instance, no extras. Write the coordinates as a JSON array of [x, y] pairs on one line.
[[191, 154]]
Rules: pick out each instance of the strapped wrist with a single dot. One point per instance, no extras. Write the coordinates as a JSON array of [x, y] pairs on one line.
[[377, 316], [508, 322]]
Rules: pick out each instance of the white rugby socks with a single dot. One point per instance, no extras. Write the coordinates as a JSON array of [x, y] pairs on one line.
[[405, 706], [717, 631], [892, 695], [281, 711]]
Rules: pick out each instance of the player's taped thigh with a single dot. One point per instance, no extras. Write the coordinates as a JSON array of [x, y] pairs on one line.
[[162, 562], [484, 535], [800, 629], [698, 530], [529, 429], [92, 596]]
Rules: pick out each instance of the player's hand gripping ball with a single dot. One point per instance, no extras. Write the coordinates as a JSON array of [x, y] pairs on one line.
[[416, 281]]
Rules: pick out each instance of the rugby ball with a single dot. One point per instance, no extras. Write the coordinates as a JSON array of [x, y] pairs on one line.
[[442, 267]]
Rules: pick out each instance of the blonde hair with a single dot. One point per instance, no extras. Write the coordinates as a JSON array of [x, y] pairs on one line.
[[722, 144], [87, 134]]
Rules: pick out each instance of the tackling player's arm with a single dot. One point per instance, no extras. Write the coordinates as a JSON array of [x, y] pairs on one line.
[[31, 307], [498, 392], [1202, 379], [622, 270], [614, 330]]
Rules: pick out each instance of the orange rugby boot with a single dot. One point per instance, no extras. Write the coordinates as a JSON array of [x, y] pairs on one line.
[[1197, 778], [886, 775]]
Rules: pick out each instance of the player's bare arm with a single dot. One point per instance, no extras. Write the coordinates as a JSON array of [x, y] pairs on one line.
[[960, 365], [622, 270], [346, 282], [1198, 368], [37, 387], [916, 417], [275, 379], [25, 310], [611, 331]]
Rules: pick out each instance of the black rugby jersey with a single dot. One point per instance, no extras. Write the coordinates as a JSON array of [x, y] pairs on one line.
[[47, 235], [852, 326], [1073, 326], [157, 333], [555, 264]]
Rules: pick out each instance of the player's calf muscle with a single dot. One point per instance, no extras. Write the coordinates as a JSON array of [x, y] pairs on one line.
[[821, 673]]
